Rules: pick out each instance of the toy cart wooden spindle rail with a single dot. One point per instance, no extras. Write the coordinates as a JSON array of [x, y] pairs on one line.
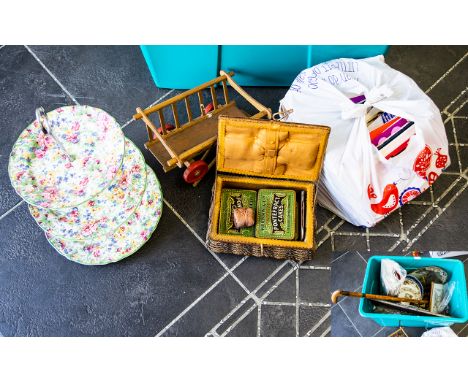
[[177, 145]]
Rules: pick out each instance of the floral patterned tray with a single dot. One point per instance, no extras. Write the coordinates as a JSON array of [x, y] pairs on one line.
[[127, 239], [104, 213], [42, 173]]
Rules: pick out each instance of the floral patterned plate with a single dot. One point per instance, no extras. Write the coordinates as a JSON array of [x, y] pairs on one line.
[[127, 239], [43, 175], [106, 211]]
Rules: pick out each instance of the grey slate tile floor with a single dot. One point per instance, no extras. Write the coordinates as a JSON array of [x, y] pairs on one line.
[[348, 269], [173, 285]]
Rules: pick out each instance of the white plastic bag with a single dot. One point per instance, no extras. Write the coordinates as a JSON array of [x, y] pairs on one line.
[[392, 277], [439, 332], [357, 182]]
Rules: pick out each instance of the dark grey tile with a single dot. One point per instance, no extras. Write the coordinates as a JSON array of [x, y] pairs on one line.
[[275, 279], [340, 325], [446, 233], [365, 326], [114, 78], [348, 227], [414, 331], [278, 321], [346, 242], [412, 217], [461, 128], [389, 225], [44, 294], [268, 96], [284, 292], [24, 86], [461, 332], [311, 317], [323, 216], [209, 311], [321, 257], [347, 271], [247, 327], [314, 285], [253, 271], [385, 331], [425, 72], [380, 244], [236, 316]]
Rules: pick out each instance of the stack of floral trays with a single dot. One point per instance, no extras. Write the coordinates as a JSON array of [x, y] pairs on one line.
[[92, 194]]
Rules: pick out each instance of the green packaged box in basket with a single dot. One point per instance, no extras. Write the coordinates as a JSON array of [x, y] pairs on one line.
[[231, 199], [276, 214]]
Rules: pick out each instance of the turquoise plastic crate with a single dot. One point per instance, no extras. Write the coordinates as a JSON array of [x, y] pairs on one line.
[[458, 304], [187, 66]]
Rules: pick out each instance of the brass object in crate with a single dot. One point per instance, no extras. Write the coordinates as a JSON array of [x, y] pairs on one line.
[[255, 154]]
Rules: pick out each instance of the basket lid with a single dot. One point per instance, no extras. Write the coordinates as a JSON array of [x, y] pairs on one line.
[[271, 149]]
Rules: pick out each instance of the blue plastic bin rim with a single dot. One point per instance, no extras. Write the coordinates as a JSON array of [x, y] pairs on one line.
[[429, 319]]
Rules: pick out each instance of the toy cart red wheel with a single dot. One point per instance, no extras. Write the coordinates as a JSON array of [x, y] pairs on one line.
[[196, 171]]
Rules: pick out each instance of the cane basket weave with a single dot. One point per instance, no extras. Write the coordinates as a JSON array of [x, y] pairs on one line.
[[294, 175]]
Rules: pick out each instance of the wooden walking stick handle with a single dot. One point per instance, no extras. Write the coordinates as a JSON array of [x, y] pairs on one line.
[[339, 293]]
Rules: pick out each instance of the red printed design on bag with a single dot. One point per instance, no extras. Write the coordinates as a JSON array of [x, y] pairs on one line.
[[389, 200], [441, 160], [409, 194], [432, 177], [370, 192], [422, 162]]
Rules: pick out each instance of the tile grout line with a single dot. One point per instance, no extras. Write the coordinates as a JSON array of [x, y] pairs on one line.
[[462, 329], [381, 329], [325, 332], [438, 215], [352, 323], [154, 103], [5, 214], [425, 213], [248, 297], [457, 149], [197, 300], [241, 284], [265, 295], [339, 257], [318, 324], [445, 74], [238, 321], [451, 103], [259, 320], [189, 307], [297, 302], [52, 75], [315, 267], [301, 303]]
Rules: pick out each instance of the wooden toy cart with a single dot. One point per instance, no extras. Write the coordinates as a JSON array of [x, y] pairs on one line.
[[177, 145]]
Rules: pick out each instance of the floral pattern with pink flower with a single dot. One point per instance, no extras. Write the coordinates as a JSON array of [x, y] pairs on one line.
[[107, 211], [83, 132], [126, 240]]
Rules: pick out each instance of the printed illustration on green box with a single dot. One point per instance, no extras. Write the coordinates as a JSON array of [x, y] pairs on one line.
[[276, 214], [230, 200]]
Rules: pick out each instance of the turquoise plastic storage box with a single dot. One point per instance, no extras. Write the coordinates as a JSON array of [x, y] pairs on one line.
[[187, 66], [458, 304]]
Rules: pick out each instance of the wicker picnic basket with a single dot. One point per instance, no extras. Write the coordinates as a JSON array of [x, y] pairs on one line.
[[292, 159]]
